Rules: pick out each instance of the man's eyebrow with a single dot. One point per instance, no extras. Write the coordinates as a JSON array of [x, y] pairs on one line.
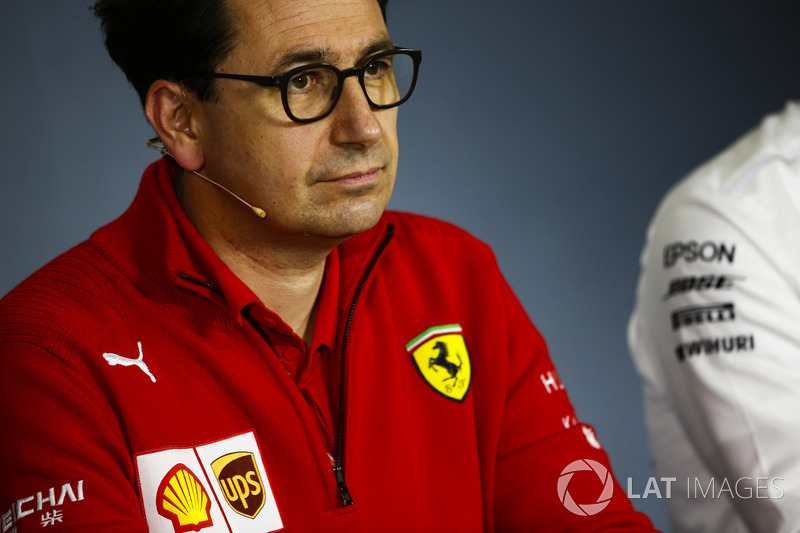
[[301, 57], [377, 46], [321, 55]]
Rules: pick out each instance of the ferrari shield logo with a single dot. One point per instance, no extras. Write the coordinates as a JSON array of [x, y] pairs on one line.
[[442, 360]]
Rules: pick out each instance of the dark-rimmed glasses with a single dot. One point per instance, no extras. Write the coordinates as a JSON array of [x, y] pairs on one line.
[[310, 92]]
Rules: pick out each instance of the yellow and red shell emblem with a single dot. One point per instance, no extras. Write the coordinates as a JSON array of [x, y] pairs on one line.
[[182, 499]]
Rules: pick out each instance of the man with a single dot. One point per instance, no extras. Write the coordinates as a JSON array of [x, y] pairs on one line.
[[715, 338], [255, 345]]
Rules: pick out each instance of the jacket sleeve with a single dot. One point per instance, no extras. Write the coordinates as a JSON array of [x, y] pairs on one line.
[[64, 462], [552, 473], [715, 337]]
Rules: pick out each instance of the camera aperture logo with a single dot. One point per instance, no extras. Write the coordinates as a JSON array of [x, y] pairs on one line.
[[585, 509]]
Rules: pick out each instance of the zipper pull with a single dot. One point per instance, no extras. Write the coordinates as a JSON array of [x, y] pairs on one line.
[[344, 493]]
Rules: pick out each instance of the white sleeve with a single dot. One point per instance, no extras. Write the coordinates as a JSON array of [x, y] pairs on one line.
[[715, 336]]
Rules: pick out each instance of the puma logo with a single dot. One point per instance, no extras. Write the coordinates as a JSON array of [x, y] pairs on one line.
[[114, 359]]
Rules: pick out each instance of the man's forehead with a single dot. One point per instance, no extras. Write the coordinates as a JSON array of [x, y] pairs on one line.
[[282, 28]]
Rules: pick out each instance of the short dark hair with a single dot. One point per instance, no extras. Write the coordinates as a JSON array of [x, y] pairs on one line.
[[172, 40]]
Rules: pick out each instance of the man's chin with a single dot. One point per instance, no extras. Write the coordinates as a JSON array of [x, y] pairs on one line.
[[355, 229], [353, 222]]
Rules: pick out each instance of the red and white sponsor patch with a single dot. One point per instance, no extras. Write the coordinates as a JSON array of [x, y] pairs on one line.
[[220, 486]]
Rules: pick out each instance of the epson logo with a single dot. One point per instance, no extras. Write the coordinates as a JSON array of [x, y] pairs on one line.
[[712, 282], [713, 346], [703, 314], [708, 252]]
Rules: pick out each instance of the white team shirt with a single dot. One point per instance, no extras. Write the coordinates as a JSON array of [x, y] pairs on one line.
[[715, 336]]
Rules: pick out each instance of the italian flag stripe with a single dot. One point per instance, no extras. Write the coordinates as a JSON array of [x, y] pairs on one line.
[[430, 333]]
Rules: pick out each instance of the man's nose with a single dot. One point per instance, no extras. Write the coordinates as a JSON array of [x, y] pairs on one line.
[[355, 120]]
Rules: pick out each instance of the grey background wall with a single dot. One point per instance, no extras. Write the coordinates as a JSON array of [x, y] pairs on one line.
[[548, 129]]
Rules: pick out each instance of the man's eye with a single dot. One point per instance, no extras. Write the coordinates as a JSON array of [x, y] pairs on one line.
[[300, 82], [376, 68]]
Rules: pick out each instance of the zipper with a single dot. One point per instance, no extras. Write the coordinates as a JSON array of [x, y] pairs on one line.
[[338, 469], [202, 283], [338, 455]]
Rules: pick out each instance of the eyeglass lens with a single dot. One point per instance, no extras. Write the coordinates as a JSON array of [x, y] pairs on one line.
[[311, 93]]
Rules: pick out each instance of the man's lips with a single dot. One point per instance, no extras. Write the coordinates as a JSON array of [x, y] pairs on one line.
[[356, 178]]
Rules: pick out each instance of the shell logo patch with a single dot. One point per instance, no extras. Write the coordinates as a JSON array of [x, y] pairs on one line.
[[217, 487], [182, 499], [441, 357], [237, 474]]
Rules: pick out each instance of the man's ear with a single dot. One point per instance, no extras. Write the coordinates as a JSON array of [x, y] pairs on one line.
[[169, 111]]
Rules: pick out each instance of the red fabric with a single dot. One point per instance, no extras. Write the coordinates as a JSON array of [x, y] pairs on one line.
[[414, 460], [313, 368]]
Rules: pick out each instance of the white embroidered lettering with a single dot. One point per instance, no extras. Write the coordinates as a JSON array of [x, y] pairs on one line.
[[49, 519], [8, 520], [51, 498], [20, 503], [551, 382], [66, 490]]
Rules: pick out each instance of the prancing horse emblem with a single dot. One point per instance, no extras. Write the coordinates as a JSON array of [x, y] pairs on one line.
[[114, 359], [441, 361], [441, 358]]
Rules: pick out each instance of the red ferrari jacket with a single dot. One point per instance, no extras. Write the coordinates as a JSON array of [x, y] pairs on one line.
[[145, 389]]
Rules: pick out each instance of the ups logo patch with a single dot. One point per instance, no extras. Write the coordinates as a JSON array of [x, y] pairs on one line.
[[241, 484], [441, 357]]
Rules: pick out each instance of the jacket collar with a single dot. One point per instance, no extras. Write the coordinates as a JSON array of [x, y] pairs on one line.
[[156, 247]]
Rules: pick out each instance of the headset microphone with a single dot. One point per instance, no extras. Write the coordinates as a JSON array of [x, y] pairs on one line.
[[257, 210], [156, 144]]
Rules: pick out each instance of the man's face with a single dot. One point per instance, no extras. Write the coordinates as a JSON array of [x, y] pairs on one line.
[[330, 178]]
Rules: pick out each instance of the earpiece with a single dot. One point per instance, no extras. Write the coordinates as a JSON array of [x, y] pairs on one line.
[[156, 144]]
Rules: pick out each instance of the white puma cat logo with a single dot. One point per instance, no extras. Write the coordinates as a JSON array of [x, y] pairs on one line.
[[114, 359]]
